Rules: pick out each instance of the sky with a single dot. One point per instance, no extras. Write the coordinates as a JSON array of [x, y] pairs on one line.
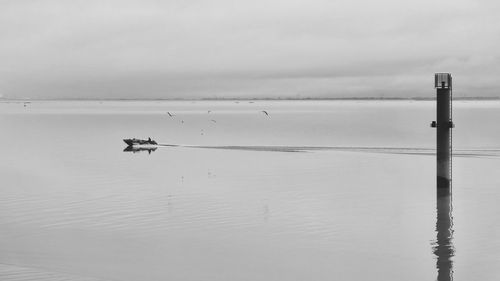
[[107, 49]]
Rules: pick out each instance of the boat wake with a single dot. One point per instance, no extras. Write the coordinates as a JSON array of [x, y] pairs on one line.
[[480, 153]]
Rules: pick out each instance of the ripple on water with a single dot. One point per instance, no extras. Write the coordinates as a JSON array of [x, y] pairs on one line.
[[21, 273]]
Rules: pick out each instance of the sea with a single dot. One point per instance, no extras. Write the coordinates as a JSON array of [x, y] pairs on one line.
[[246, 190]]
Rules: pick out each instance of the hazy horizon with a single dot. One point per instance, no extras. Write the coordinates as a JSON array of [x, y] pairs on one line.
[[261, 49], [7, 100]]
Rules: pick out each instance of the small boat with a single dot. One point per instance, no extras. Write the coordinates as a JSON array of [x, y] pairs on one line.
[[134, 141]]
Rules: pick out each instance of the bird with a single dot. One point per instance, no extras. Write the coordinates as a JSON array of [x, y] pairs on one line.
[[213, 120], [265, 112], [209, 111], [170, 114]]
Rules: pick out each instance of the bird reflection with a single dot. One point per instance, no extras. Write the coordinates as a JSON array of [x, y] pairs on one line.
[[443, 247], [135, 149]]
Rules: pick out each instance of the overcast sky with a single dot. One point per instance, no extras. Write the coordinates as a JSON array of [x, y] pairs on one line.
[[257, 48]]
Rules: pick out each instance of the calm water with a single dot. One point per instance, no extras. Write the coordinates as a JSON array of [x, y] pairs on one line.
[[316, 190]]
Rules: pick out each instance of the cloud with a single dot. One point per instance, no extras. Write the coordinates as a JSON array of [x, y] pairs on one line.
[[122, 49]]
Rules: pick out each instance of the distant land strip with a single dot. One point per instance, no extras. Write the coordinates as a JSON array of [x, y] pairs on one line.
[[254, 99]]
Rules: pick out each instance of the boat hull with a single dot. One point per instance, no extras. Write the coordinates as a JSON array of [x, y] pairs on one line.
[[134, 141]]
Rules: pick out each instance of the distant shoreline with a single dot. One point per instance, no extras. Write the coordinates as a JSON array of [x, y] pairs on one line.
[[261, 99]]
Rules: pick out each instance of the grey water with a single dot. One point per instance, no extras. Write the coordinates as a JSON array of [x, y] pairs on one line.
[[313, 190]]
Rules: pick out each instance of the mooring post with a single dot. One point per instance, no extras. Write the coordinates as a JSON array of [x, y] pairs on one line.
[[443, 125]]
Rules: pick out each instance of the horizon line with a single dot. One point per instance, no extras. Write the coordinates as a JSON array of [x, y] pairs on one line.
[[3, 99]]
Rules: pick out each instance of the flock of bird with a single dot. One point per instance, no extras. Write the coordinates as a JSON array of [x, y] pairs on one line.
[[171, 115], [208, 112]]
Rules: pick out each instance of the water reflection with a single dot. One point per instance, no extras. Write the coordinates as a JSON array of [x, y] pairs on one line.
[[443, 246], [135, 149]]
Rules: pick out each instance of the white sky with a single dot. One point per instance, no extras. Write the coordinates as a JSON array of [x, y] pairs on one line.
[[258, 48]]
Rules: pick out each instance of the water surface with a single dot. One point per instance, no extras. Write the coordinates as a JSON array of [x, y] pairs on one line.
[[315, 190]]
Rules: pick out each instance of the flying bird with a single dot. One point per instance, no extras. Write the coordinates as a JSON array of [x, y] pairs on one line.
[[213, 120], [170, 114], [265, 112]]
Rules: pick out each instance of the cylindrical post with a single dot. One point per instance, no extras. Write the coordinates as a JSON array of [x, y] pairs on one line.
[[443, 126], [443, 144]]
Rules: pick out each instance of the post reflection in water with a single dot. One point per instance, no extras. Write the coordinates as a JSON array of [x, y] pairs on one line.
[[443, 246]]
